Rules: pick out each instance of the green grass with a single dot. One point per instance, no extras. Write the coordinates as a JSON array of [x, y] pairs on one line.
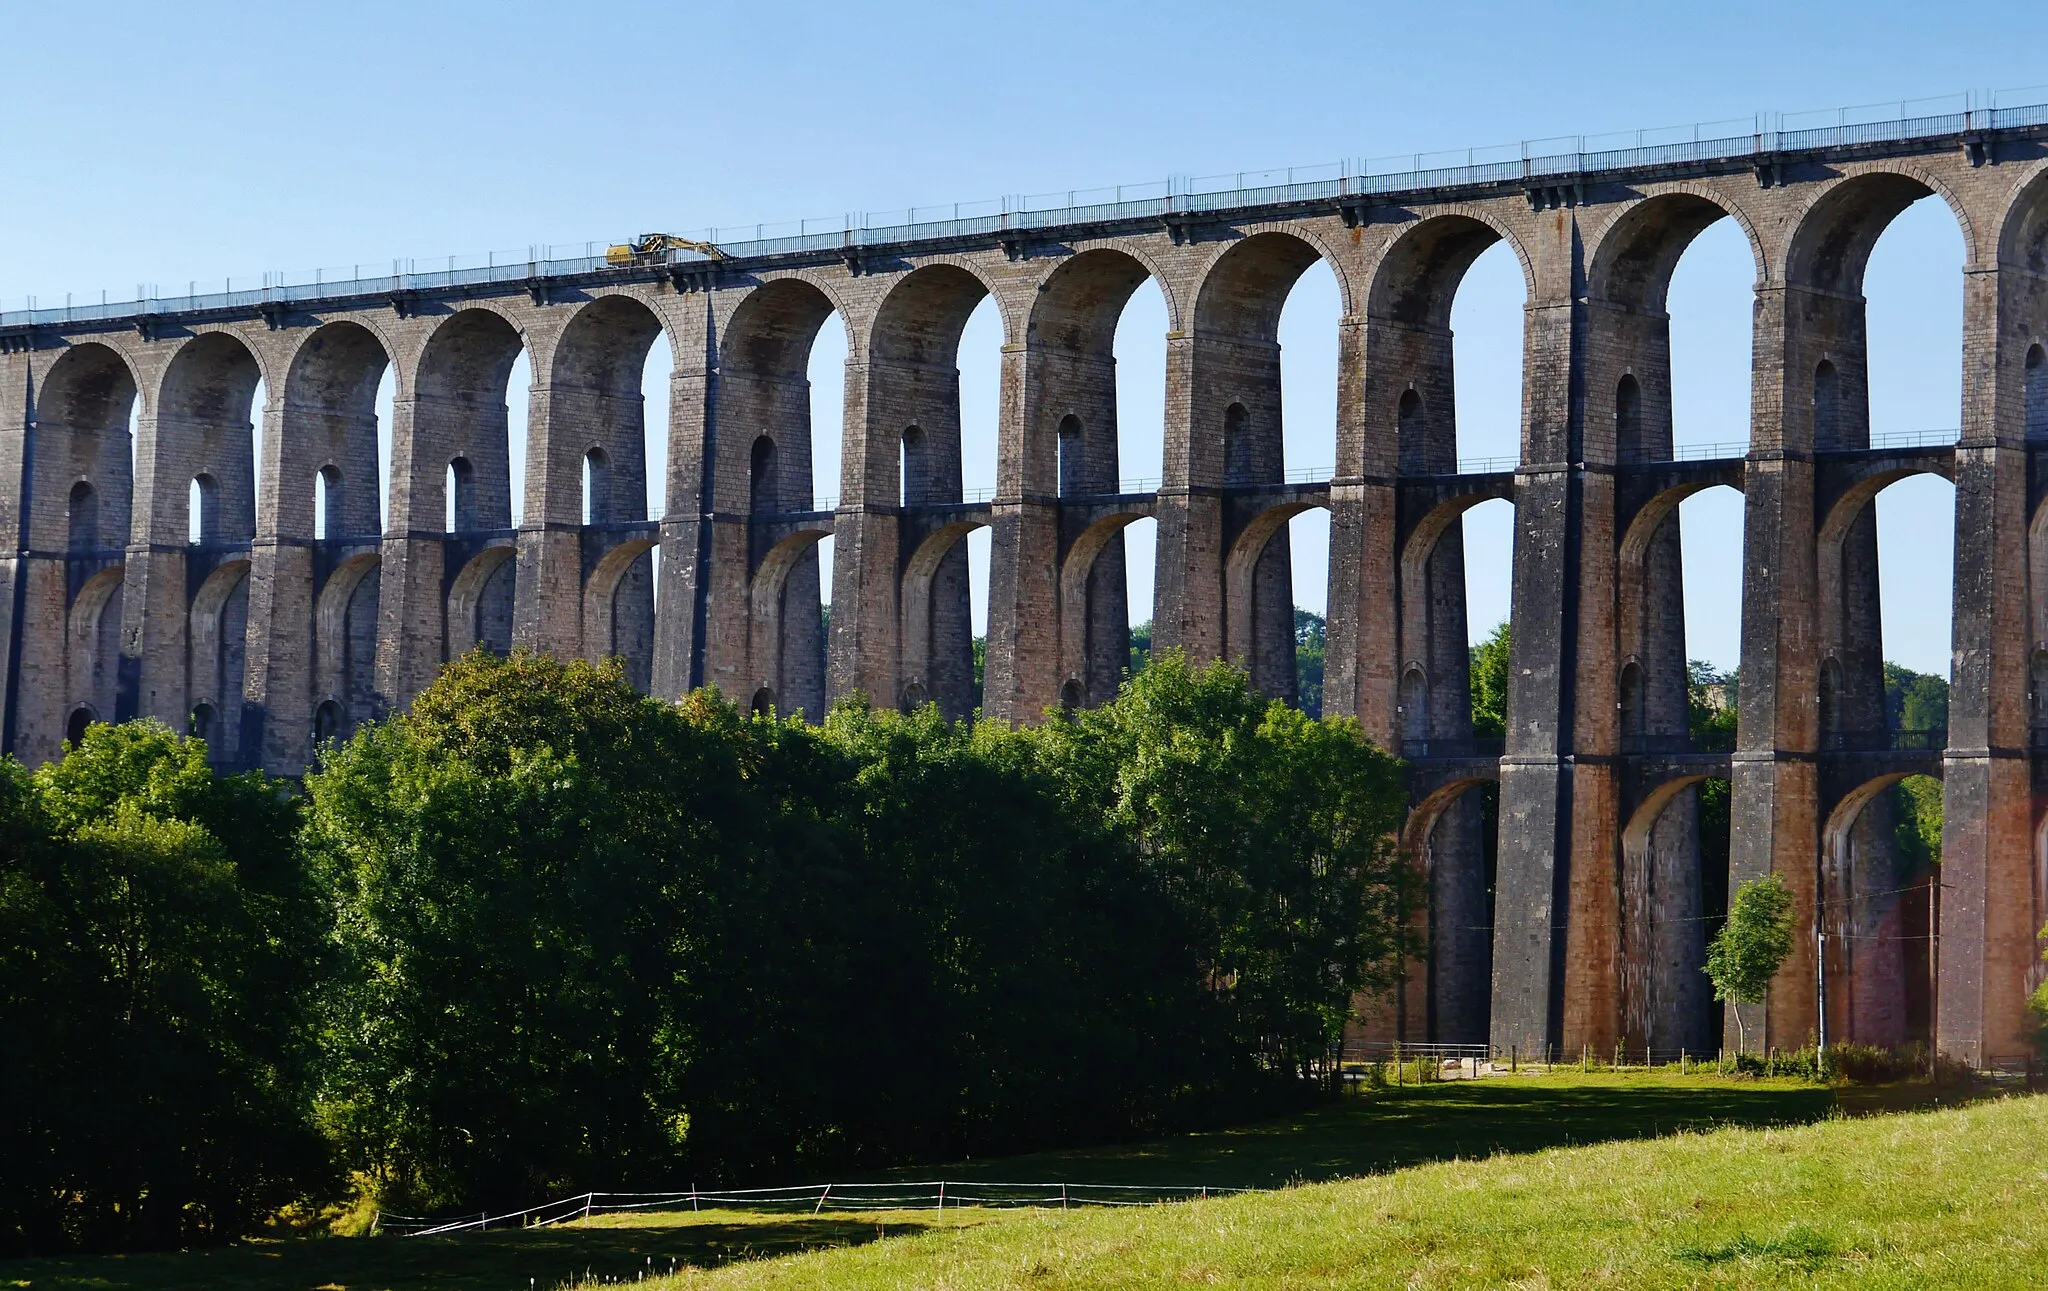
[[1950, 1198], [1360, 1135]]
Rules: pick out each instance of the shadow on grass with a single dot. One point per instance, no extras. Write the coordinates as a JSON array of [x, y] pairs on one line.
[[551, 1257], [1367, 1133]]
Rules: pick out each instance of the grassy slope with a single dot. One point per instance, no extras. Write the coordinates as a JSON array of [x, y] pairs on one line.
[[1358, 1135], [1957, 1198]]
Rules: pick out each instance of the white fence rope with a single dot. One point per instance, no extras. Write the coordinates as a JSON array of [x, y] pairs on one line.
[[938, 1195]]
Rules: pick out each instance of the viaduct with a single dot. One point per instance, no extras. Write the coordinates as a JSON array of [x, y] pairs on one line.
[[291, 617]]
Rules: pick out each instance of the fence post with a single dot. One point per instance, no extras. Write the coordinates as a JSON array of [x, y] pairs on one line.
[[1514, 1059], [942, 1198]]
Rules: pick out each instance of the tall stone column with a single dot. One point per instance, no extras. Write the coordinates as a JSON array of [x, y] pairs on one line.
[[1987, 945], [699, 603], [1362, 643], [861, 656], [548, 616], [1021, 678], [1541, 946]]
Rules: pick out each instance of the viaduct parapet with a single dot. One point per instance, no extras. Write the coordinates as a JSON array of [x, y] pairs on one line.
[[298, 614]]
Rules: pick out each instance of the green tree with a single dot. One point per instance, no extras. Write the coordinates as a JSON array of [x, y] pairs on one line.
[[1490, 682], [161, 949], [1752, 945], [1310, 635], [521, 863], [1271, 834], [1141, 647]]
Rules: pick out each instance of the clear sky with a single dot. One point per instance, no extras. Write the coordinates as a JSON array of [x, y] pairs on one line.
[[161, 144]]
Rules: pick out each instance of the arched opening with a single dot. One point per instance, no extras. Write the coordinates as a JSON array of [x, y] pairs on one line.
[[203, 510], [915, 477], [1141, 545], [74, 726], [470, 402], [1666, 1001], [201, 725], [333, 453], [782, 378], [1070, 695], [1878, 911], [1444, 997], [597, 492], [1414, 707], [326, 723], [1631, 704], [462, 511], [1073, 461], [763, 704], [82, 519], [329, 504], [931, 610], [761, 491], [1628, 418], [1095, 346]]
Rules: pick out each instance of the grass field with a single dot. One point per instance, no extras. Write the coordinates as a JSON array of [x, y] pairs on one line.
[[1289, 1238]]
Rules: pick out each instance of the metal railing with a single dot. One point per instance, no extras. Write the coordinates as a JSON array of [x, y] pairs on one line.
[[1530, 160], [1679, 743], [1465, 746], [1932, 739]]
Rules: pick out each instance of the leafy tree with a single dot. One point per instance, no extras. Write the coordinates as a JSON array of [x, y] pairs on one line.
[[1490, 682], [1311, 633], [1752, 945], [1914, 701], [167, 912], [521, 866], [1271, 835], [1141, 646]]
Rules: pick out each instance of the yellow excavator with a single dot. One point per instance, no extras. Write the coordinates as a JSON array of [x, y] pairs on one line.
[[649, 247]]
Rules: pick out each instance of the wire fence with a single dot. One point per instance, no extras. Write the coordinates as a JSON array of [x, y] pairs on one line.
[[935, 1195], [1553, 159]]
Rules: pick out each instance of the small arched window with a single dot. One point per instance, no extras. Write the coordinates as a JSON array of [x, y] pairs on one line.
[[203, 510], [74, 726], [326, 722], [1827, 406], [1237, 445], [82, 515], [1073, 469], [915, 696], [597, 488], [764, 702], [1631, 700], [327, 514], [1414, 704], [461, 496], [2037, 393], [1070, 695], [914, 481], [761, 492], [1628, 419], [1408, 442], [2039, 696], [202, 721]]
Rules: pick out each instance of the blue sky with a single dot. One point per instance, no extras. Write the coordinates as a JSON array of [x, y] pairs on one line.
[[160, 144]]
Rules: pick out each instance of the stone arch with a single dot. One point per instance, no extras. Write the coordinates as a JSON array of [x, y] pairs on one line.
[[82, 519], [1833, 236], [345, 640], [594, 384], [2034, 392], [203, 429], [218, 632], [1272, 675], [923, 663], [459, 410], [92, 641], [327, 423], [784, 657], [1415, 704], [1084, 648], [82, 409], [75, 725], [763, 703], [920, 316], [1070, 449], [764, 389], [1419, 272], [1448, 994], [1635, 254], [1868, 993], [761, 477], [1646, 568], [1628, 419], [2022, 236], [604, 634], [480, 601], [1665, 1003]]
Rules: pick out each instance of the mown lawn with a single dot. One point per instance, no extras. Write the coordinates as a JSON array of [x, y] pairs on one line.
[[1951, 1198], [1360, 1135]]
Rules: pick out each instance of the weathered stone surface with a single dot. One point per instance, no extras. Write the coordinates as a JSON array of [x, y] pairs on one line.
[[273, 631]]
